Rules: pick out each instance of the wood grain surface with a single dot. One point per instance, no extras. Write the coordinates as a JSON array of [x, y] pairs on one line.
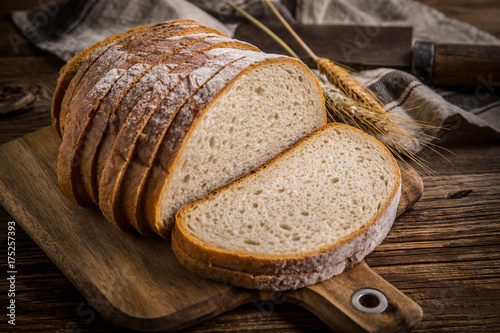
[[443, 253], [136, 282]]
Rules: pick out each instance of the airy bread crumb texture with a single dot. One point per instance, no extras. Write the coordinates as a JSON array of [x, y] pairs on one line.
[[265, 111], [306, 200]]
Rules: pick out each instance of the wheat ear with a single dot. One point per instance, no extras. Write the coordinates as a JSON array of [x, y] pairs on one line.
[[342, 79], [341, 108]]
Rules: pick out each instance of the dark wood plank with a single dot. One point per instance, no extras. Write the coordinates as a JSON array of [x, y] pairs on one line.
[[38, 72], [359, 47]]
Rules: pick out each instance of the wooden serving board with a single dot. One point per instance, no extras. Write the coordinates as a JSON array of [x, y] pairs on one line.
[[136, 283]]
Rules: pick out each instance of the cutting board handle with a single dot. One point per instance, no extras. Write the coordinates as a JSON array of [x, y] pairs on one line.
[[332, 301]]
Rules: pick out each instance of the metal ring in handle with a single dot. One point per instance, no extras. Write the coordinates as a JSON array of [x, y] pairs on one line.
[[369, 300]]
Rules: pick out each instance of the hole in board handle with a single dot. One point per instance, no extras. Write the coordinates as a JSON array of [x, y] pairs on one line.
[[369, 300]]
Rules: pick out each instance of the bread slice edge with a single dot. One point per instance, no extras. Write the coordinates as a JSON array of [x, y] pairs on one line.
[[301, 274]]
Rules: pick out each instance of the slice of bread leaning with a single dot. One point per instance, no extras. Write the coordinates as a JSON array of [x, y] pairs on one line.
[[299, 219]]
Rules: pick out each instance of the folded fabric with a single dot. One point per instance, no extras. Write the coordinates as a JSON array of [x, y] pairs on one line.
[[67, 27], [428, 24]]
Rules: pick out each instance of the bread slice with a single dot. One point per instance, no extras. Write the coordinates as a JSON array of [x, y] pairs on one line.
[[199, 65], [299, 219], [72, 73], [174, 51], [70, 150], [240, 118]]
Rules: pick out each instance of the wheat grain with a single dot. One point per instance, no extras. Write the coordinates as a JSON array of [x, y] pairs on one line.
[[342, 79]]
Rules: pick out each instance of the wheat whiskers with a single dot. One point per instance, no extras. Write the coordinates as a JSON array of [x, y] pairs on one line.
[[341, 108]]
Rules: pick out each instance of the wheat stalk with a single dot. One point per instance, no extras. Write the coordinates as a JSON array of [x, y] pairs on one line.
[[382, 126], [342, 79]]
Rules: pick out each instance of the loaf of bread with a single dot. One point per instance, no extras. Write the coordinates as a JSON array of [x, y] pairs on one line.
[[157, 116], [301, 218]]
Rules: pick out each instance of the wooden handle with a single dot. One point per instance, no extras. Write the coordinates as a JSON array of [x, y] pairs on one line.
[[331, 302], [457, 64]]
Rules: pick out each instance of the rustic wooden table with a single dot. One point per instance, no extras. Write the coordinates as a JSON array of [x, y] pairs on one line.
[[443, 253]]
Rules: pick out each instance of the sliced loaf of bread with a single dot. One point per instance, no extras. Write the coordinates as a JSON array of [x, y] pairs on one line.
[[299, 219], [249, 112], [165, 113]]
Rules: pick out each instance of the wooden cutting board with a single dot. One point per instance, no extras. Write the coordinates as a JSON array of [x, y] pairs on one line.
[[135, 282]]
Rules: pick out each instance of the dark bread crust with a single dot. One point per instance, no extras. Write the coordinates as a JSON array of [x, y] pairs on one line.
[[70, 151], [65, 91], [79, 64], [353, 247], [115, 56], [263, 282]]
